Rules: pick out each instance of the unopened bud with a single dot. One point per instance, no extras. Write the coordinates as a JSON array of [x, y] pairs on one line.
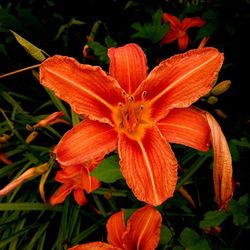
[[221, 87], [4, 138], [51, 119], [220, 114], [31, 137], [31, 172], [4, 158], [212, 99]]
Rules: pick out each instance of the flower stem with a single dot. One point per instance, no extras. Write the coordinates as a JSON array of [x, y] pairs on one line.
[[20, 70]]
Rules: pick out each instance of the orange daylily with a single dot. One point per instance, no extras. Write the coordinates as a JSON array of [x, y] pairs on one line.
[[178, 29], [142, 231], [136, 112], [75, 178], [222, 172]]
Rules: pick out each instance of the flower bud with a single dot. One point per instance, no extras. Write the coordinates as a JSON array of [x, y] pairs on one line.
[[4, 138], [49, 120], [220, 113], [212, 99], [221, 87]]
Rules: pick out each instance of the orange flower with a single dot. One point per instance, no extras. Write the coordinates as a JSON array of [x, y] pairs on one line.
[[141, 232], [222, 172], [178, 29], [138, 113], [76, 178]]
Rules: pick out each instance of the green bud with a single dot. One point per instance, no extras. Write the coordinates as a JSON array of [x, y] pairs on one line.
[[212, 99], [221, 87]]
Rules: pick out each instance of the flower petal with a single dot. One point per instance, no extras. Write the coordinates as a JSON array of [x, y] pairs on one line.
[[87, 140], [222, 172], [181, 80], [128, 65], [186, 126], [143, 229], [89, 183], [175, 23], [60, 195], [169, 37], [86, 88], [183, 41], [94, 246], [116, 228], [80, 197], [189, 22], [149, 166]]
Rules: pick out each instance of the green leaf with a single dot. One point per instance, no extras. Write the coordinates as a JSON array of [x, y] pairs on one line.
[[63, 27], [110, 42], [213, 218], [127, 213], [108, 170], [153, 31], [193, 241], [30, 206], [239, 210], [100, 51], [165, 236], [207, 30], [34, 51], [243, 142]]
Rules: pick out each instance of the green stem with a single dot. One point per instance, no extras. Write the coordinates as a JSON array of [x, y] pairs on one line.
[[191, 171], [99, 205]]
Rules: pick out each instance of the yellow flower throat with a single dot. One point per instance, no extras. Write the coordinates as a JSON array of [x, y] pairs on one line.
[[131, 117]]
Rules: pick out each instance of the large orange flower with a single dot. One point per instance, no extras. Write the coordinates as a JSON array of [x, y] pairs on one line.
[[178, 29], [142, 231], [138, 113], [75, 178]]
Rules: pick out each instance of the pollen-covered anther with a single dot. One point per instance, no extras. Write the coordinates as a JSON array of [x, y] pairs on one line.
[[143, 95]]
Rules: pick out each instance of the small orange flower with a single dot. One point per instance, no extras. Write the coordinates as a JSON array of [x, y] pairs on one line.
[[178, 29], [136, 112], [142, 231], [75, 178]]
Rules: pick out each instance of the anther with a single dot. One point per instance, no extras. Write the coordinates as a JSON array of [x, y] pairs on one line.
[[143, 94], [131, 98]]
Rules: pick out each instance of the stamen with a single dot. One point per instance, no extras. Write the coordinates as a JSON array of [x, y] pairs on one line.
[[124, 116], [131, 99], [143, 95], [139, 116]]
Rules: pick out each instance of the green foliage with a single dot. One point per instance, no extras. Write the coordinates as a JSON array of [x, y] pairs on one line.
[[213, 219], [26, 222], [108, 171], [240, 210], [165, 236], [100, 50], [153, 31], [35, 52], [237, 145], [192, 240]]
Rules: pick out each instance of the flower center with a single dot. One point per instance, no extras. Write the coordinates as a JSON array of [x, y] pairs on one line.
[[131, 116]]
